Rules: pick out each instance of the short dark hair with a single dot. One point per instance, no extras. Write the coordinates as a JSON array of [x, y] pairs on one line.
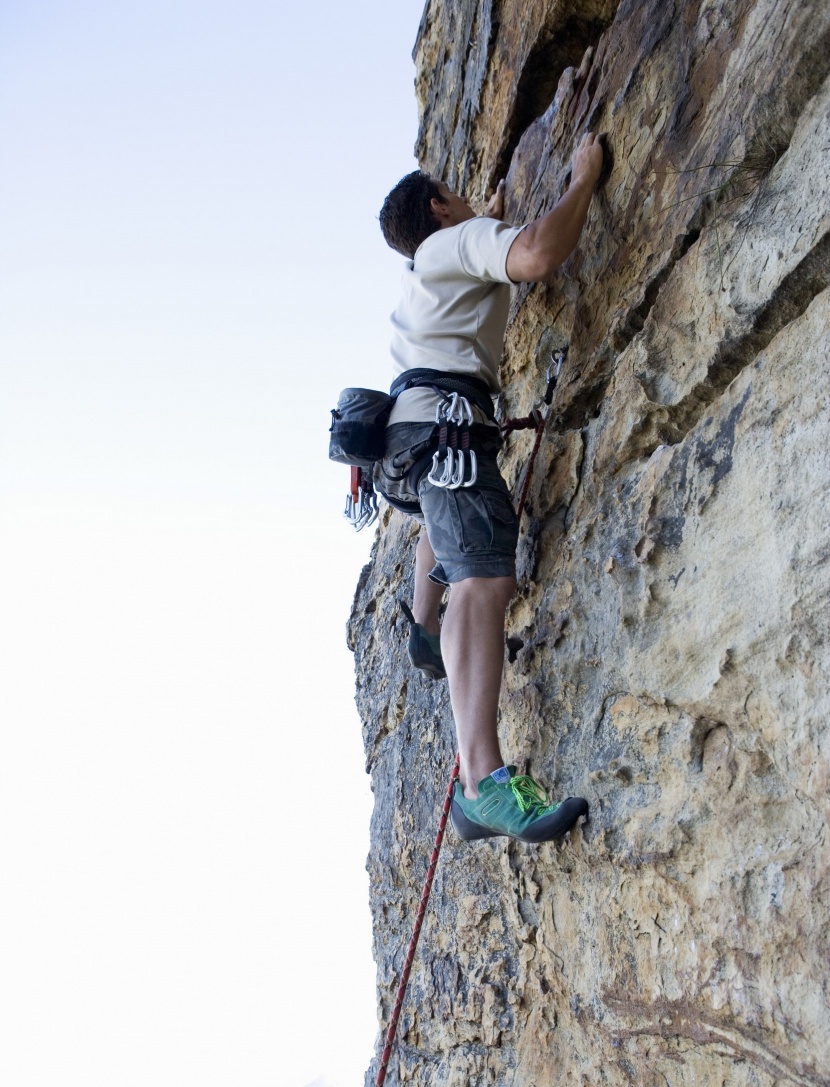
[[406, 217]]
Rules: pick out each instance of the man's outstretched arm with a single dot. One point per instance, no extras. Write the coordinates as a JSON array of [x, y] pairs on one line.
[[547, 243]]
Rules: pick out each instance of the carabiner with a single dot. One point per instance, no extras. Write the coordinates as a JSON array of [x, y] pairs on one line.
[[458, 472]]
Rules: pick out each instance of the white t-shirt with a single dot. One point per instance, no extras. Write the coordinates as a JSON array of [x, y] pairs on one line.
[[453, 310]]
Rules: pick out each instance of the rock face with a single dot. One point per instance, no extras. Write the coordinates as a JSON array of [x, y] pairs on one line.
[[667, 651]]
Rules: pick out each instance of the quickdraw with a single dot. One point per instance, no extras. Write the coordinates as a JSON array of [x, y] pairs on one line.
[[361, 501], [454, 417]]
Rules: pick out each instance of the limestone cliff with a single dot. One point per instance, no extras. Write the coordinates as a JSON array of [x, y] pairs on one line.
[[667, 651]]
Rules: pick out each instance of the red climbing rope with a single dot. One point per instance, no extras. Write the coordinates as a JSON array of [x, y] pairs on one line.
[[413, 943], [537, 419]]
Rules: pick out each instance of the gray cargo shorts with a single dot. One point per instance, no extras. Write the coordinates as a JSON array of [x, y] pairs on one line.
[[472, 530]]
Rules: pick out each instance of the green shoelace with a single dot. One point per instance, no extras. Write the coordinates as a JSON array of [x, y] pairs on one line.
[[530, 794]]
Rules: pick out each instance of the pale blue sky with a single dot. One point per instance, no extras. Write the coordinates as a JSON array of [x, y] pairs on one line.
[[190, 270]]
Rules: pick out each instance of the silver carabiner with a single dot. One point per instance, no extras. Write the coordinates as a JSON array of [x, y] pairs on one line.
[[458, 473], [447, 466], [361, 501], [459, 479], [437, 463], [368, 508], [449, 407], [442, 408], [473, 469], [449, 469]]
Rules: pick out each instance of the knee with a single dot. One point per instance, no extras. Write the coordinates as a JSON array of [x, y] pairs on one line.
[[496, 591]]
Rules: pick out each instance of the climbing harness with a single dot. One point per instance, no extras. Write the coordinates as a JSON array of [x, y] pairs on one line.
[[357, 435], [538, 418], [442, 381], [361, 501]]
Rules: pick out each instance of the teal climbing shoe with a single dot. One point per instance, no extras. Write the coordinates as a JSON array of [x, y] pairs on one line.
[[424, 649], [514, 805]]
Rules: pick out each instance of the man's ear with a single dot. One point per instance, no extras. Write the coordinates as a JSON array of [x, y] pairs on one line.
[[439, 208]]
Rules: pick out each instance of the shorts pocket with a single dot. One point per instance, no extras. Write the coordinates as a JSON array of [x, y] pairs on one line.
[[504, 521], [472, 522], [483, 521]]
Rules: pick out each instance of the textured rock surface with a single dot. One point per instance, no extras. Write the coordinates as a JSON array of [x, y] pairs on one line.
[[667, 652]]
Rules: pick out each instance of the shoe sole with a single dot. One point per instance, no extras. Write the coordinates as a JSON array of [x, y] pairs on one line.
[[466, 829], [559, 823], [431, 671]]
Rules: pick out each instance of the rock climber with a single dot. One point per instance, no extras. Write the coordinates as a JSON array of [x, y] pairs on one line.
[[450, 324]]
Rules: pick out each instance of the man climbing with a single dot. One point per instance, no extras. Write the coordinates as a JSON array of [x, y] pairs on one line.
[[447, 341]]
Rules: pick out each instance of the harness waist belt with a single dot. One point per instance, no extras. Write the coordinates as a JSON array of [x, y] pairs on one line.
[[473, 388]]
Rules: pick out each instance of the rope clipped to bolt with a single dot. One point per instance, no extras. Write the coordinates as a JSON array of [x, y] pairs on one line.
[[538, 418]]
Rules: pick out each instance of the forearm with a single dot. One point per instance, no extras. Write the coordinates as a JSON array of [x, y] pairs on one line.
[[546, 243], [557, 232]]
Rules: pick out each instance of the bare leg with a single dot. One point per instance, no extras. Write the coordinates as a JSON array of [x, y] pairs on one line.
[[428, 595], [472, 645]]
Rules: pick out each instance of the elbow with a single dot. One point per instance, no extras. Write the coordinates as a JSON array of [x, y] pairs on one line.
[[544, 266], [534, 268], [533, 260]]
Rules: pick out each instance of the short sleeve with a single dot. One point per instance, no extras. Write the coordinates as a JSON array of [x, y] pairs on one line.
[[483, 245]]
